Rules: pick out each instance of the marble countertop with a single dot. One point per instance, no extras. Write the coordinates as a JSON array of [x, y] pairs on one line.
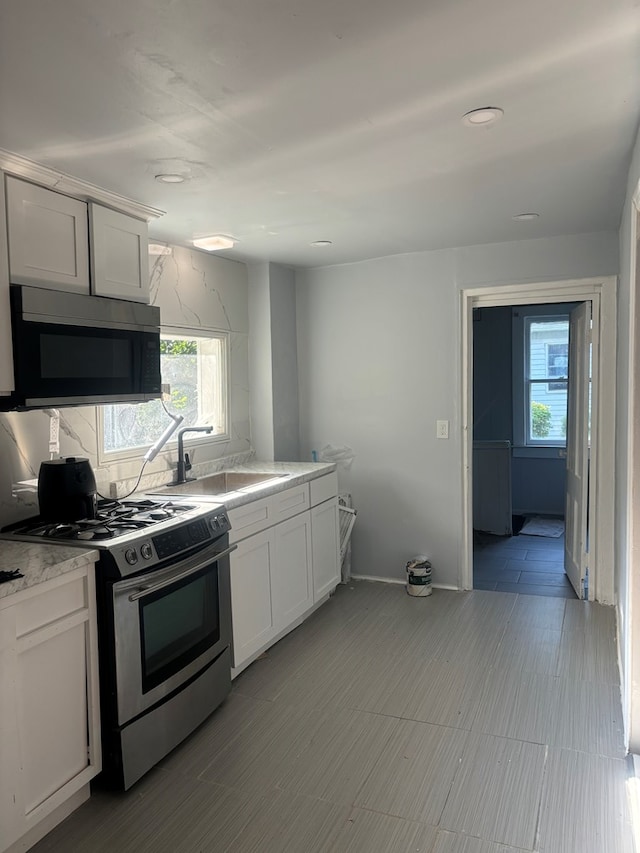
[[39, 562], [286, 475]]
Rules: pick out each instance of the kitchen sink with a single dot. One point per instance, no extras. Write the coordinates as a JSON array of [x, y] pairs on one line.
[[219, 484]]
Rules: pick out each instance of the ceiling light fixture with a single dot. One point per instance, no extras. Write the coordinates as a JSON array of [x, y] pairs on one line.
[[159, 249], [214, 243], [526, 217], [171, 178], [482, 116], [321, 244]]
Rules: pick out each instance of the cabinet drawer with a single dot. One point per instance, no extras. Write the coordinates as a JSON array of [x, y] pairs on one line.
[[249, 519], [266, 512], [289, 503], [324, 488], [50, 605]]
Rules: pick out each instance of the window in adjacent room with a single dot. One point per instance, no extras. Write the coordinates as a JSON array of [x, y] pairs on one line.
[[195, 366], [540, 376]]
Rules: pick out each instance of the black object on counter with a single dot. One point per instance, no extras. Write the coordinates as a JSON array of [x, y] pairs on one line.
[[10, 575], [67, 489]]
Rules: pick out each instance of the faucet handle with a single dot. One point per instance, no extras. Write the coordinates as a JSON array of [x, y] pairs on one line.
[[187, 462]]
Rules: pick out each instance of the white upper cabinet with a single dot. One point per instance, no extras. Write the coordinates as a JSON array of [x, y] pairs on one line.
[[119, 255], [48, 238]]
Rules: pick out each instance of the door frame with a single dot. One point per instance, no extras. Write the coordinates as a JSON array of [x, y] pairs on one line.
[[601, 292]]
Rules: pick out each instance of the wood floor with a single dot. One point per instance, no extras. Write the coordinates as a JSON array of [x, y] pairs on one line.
[[481, 722]]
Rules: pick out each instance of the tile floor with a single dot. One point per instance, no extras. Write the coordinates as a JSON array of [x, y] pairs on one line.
[[481, 722], [528, 565]]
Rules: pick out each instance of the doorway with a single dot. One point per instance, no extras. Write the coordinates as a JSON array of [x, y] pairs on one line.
[[519, 460], [598, 488]]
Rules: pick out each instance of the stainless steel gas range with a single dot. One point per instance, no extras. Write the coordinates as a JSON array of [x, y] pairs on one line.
[[164, 628]]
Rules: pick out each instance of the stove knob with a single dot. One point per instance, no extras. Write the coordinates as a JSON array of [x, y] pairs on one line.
[[146, 551], [131, 556]]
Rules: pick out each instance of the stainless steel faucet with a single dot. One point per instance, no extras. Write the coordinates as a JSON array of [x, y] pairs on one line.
[[184, 463]]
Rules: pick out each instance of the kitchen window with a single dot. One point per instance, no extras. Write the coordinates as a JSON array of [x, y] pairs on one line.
[[195, 368], [540, 376]]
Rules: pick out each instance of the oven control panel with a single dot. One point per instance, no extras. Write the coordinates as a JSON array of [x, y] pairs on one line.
[[182, 538], [144, 552]]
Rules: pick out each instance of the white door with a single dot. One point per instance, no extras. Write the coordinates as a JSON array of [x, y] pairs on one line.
[[575, 546]]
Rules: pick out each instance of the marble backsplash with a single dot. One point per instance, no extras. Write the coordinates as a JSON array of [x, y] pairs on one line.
[[193, 290]]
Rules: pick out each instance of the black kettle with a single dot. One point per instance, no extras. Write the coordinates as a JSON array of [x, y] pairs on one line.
[[67, 489]]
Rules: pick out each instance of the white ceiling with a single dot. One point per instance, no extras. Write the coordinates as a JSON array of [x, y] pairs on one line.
[[300, 120]]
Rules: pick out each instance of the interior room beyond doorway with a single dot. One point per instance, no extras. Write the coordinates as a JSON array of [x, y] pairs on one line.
[[520, 385]]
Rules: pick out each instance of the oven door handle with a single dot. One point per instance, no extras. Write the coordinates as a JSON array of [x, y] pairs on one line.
[[143, 591]]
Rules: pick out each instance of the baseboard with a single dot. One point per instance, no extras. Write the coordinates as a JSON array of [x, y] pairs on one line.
[[377, 579]]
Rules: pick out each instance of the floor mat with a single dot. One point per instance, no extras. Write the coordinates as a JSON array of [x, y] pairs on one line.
[[543, 527]]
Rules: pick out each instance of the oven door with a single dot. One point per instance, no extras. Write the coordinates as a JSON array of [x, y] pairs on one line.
[[168, 625]]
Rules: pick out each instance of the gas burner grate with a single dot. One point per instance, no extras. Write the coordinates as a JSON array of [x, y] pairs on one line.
[[113, 519], [95, 533]]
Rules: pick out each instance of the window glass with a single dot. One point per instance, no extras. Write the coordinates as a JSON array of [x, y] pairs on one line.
[[547, 365], [195, 368]]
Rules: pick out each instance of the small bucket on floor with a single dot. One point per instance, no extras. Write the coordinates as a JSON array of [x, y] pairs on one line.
[[419, 576]]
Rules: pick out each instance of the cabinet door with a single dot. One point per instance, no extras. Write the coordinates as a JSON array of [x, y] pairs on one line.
[[324, 537], [251, 612], [119, 255], [48, 238], [51, 692], [50, 722], [291, 581]]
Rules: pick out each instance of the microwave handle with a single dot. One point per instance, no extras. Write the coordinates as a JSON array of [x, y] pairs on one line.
[[143, 591]]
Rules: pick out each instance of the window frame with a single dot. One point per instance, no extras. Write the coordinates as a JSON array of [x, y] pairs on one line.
[[522, 317], [106, 457]]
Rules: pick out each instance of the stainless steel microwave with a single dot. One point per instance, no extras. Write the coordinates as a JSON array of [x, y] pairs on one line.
[[72, 349]]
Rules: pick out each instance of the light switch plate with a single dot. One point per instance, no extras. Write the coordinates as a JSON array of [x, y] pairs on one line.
[[442, 429]]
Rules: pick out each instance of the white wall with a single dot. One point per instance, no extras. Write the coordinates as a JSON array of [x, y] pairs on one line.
[[273, 362], [627, 534], [286, 423], [193, 290], [260, 364], [379, 361]]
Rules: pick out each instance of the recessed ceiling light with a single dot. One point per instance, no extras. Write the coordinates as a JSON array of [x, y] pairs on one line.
[[214, 243], [320, 244], [171, 179], [525, 217], [159, 249], [482, 116]]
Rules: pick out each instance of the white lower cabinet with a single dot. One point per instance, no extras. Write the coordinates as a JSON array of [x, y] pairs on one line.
[[291, 578], [324, 537], [49, 705], [279, 573], [251, 608]]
